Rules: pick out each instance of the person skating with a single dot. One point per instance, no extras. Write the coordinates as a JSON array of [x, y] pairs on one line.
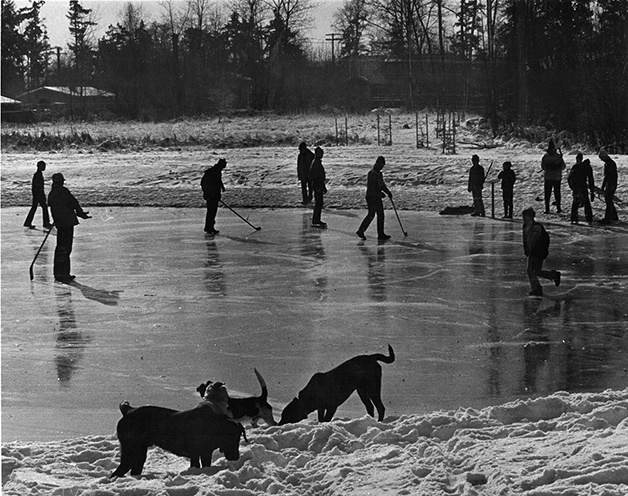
[[39, 198], [536, 243], [375, 191], [318, 178], [553, 166], [476, 185], [508, 177], [580, 180], [65, 210], [212, 190], [304, 160], [609, 186]]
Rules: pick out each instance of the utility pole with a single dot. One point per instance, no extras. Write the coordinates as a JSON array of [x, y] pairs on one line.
[[333, 37]]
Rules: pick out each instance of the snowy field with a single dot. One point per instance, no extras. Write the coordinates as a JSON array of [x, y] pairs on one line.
[[553, 446], [556, 444]]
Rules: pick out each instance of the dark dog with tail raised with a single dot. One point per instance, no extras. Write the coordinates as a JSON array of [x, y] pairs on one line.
[[326, 391]]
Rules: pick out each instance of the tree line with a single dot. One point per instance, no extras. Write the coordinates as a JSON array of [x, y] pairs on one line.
[[557, 63]]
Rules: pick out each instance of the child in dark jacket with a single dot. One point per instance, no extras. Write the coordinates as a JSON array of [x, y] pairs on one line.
[[536, 243], [508, 177]]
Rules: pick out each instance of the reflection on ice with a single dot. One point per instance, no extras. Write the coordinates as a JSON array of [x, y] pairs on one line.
[[174, 308]]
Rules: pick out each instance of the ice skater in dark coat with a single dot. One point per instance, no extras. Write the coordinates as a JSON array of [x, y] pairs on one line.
[[508, 177], [318, 178], [212, 191], [609, 185], [39, 198], [375, 190], [65, 212], [476, 185], [304, 160], [536, 243], [581, 182]]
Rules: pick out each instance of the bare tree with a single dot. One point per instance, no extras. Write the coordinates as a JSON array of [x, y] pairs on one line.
[[352, 20]]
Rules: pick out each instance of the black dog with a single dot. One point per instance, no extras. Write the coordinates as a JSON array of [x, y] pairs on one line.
[[192, 433], [327, 391], [252, 408]]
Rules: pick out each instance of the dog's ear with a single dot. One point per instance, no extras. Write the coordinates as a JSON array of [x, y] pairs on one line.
[[201, 389]]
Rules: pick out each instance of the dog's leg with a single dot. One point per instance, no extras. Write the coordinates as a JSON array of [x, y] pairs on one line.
[[381, 409], [206, 459], [329, 414], [365, 397], [194, 462], [125, 463], [138, 458]]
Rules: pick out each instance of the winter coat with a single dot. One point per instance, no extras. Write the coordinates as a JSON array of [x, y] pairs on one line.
[[304, 160], [536, 241], [212, 183], [553, 165], [375, 187], [580, 176], [317, 175], [38, 183], [64, 206], [610, 176], [508, 178], [476, 177]]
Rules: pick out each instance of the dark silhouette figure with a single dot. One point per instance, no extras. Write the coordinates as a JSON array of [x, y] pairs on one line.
[[581, 182], [375, 190], [536, 243], [476, 185], [609, 186], [553, 166], [318, 178], [508, 177], [304, 161], [212, 190], [65, 210], [39, 198]]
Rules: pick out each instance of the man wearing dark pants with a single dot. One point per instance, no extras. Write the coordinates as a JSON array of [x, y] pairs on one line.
[[476, 184], [304, 160], [375, 189], [65, 210], [212, 190], [536, 247], [318, 178], [553, 166], [39, 198], [581, 182], [609, 185]]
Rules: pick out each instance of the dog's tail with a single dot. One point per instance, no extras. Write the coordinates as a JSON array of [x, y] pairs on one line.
[[386, 359], [125, 408], [262, 383]]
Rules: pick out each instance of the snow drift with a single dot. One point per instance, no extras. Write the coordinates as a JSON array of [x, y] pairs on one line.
[[563, 444]]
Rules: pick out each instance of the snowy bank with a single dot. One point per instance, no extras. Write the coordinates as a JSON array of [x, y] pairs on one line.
[[563, 444]]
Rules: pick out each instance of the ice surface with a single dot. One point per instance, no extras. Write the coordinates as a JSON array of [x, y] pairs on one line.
[[158, 307]]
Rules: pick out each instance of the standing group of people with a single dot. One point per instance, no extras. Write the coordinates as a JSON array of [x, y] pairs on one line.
[[580, 180], [311, 173]]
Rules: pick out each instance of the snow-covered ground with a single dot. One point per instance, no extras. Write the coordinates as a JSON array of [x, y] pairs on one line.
[[557, 445]]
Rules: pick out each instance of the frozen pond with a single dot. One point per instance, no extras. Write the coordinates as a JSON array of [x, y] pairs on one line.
[[158, 308]]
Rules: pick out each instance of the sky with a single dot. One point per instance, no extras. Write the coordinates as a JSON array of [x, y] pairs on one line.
[[107, 12]]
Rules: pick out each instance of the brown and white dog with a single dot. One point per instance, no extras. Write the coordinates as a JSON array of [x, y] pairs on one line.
[[326, 391], [193, 434], [252, 408], [217, 398]]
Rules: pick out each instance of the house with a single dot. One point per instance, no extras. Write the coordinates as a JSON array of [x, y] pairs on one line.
[[49, 97], [12, 110]]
